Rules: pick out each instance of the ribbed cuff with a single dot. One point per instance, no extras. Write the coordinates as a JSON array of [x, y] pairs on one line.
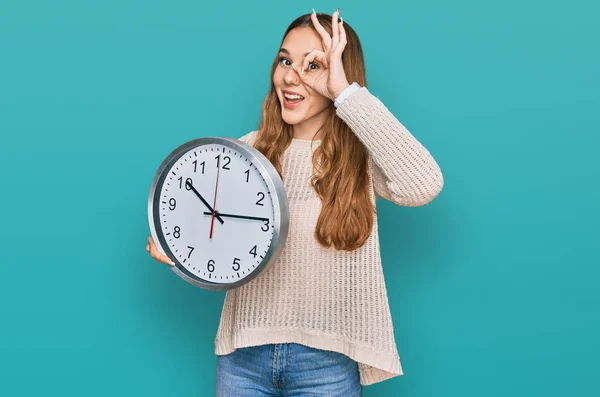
[[349, 90]]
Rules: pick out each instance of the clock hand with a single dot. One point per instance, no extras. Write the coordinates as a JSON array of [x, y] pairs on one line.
[[217, 213], [204, 201], [212, 222]]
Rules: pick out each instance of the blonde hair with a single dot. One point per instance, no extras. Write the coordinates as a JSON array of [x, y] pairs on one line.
[[341, 179]]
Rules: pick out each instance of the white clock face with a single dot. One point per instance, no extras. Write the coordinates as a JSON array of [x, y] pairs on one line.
[[223, 249]]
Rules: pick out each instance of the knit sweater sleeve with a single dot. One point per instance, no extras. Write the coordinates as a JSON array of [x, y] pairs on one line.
[[404, 172]]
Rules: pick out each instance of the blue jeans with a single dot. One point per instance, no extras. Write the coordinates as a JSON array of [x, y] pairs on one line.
[[286, 369]]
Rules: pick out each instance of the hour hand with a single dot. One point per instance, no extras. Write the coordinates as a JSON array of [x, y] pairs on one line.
[[256, 218], [205, 202]]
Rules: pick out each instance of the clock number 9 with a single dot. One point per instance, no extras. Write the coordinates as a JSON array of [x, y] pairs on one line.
[[211, 266], [172, 204]]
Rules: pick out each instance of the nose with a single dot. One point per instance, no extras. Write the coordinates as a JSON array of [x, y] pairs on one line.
[[291, 77]]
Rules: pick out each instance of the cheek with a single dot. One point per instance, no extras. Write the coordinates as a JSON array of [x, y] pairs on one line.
[[319, 102]]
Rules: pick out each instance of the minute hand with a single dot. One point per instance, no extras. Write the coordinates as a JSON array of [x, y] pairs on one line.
[[205, 202], [256, 218]]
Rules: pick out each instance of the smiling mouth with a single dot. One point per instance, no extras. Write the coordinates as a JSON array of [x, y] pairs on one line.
[[292, 101], [293, 98]]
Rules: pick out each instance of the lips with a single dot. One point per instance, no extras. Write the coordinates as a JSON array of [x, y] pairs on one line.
[[291, 103]]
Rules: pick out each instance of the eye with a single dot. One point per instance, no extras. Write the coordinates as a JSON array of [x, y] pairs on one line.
[[315, 64], [283, 59]]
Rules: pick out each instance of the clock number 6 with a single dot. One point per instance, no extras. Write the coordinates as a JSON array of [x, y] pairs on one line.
[[211, 266]]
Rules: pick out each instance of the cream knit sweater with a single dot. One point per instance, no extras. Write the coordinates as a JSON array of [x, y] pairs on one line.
[[324, 298]]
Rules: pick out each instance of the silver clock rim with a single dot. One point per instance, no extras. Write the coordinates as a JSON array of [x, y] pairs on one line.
[[278, 195]]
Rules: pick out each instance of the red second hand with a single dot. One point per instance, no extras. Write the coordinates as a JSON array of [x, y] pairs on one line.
[[212, 222]]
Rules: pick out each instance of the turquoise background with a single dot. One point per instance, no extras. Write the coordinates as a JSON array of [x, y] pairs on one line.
[[493, 286]]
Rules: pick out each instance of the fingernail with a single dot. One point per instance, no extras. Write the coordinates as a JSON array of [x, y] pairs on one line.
[[342, 19], [302, 71], [172, 263], [314, 12]]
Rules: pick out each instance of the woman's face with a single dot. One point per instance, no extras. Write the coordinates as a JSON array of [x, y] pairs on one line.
[[310, 111]]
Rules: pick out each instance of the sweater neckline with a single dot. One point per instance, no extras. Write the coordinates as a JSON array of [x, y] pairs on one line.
[[304, 143]]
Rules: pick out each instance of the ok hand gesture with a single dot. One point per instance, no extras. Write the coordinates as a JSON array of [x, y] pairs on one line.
[[330, 79]]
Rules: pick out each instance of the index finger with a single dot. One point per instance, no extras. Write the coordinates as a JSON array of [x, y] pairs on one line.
[[334, 28], [321, 30]]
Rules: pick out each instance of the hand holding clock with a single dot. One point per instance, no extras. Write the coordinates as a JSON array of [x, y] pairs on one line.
[[155, 253]]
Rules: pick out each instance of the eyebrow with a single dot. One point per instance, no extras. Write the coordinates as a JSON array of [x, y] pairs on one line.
[[287, 52]]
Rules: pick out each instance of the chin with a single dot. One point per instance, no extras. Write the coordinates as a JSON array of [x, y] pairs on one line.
[[291, 119]]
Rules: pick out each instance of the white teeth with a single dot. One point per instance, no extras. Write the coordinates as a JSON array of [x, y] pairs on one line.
[[288, 96]]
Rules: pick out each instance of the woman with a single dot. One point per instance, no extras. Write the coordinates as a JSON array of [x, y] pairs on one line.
[[318, 321]]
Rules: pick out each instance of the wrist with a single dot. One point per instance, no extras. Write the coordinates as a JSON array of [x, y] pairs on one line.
[[345, 93], [336, 93]]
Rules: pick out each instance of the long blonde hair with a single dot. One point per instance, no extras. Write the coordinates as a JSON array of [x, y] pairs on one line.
[[341, 179]]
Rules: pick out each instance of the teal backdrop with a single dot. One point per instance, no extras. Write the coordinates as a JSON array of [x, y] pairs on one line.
[[493, 286]]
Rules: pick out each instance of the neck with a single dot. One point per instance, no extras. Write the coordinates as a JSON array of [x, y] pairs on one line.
[[307, 129]]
